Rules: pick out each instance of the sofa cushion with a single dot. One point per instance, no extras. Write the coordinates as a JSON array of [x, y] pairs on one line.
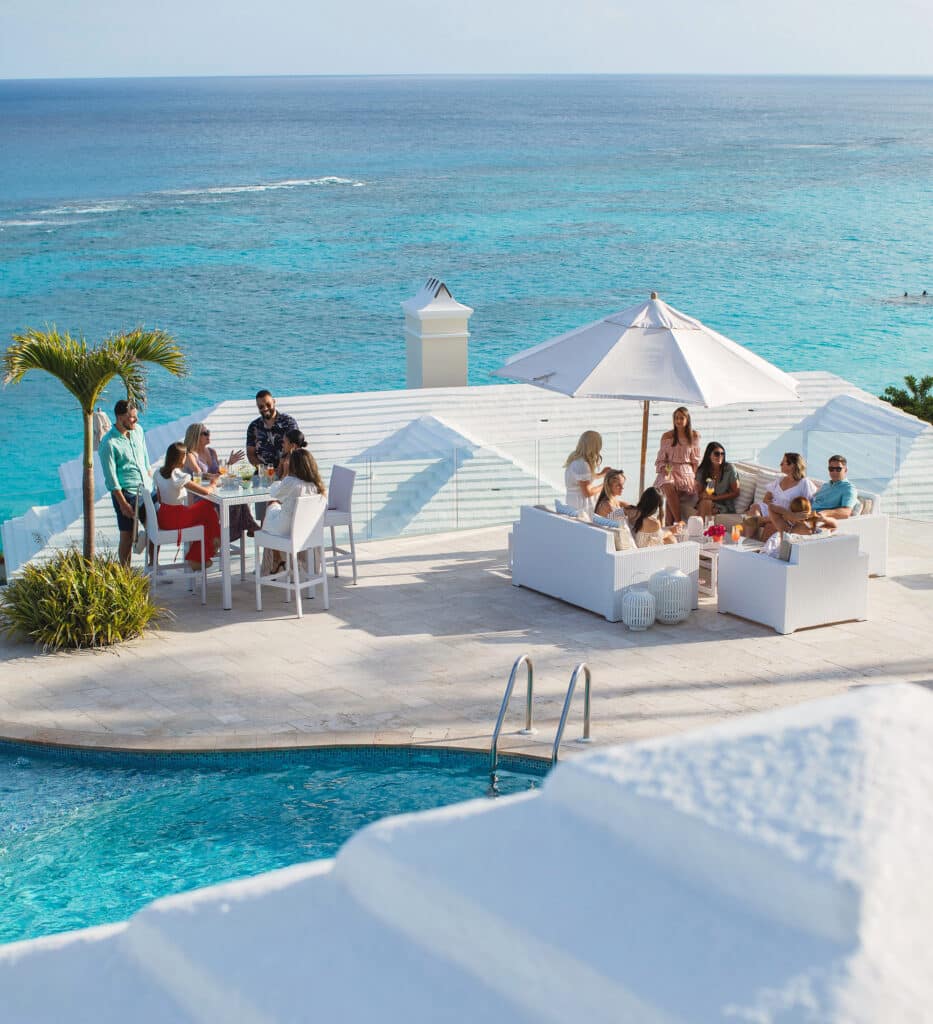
[[622, 535], [746, 491], [565, 510]]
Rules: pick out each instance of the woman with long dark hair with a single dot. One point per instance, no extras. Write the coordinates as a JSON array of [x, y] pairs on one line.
[[303, 478], [717, 483], [645, 523], [677, 461], [171, 483]]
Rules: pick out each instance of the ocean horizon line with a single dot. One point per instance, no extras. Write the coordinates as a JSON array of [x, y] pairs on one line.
[[491, 76]]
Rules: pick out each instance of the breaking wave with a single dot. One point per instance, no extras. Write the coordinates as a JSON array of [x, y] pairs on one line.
[[269, 186]]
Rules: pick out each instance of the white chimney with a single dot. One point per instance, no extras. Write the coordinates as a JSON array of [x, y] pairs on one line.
[[436, 338]]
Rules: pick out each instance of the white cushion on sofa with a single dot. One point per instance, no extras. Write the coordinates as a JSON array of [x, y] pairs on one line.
[[746, 491]]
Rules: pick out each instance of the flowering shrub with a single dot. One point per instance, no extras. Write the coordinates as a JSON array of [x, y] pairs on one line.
[[715, 532]]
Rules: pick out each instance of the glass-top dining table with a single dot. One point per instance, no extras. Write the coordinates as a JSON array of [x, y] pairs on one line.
[[229, 492]]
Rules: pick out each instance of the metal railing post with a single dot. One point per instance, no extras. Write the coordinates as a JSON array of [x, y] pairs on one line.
[[528, 730], [456, 489], [585, 738]]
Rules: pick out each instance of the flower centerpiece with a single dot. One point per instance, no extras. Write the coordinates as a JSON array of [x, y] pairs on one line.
[[716, 533]]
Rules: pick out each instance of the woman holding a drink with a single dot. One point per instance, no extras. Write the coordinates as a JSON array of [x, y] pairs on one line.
[[717, 482]]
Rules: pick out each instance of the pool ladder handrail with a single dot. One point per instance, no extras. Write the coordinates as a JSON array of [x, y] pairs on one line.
[[585, 738], [529, 693]]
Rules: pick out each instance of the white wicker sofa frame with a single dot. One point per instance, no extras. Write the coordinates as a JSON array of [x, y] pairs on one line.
[[825, 581], [870, 526], [578, 563]]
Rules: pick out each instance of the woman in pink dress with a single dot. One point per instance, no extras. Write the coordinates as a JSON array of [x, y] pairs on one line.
[[677, 462]]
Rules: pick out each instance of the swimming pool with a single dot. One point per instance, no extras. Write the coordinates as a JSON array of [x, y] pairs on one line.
[[89, 837]]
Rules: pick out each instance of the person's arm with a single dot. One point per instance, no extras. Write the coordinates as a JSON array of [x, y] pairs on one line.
[[843, 511], [190, 465], [695, 452], [108, 463], [199, 488], [593, 485], [251, 444], [732, 493], [147, 465], [663, 457], [824, 521]]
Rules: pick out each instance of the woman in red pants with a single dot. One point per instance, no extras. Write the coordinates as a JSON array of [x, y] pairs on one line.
[[171, 484]]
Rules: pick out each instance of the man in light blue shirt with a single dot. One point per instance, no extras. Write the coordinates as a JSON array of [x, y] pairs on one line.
[[125, 462], [837, 498]]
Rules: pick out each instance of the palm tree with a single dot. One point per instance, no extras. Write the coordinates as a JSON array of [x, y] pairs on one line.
[[917, 400], [85, 371]]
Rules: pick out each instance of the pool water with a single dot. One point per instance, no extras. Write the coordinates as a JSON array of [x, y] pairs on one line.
[[89, 838]]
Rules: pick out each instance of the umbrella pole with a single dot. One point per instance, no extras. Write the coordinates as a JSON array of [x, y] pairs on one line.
[[644, 448]]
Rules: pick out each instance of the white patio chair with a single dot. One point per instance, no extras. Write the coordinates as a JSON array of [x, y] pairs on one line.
[[339, 513], [177, 538], [307, 534]]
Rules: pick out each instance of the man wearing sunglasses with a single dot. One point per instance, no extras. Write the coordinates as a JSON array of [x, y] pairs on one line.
[[837, 497]]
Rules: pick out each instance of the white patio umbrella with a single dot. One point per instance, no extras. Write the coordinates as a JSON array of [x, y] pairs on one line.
[[650, 352]]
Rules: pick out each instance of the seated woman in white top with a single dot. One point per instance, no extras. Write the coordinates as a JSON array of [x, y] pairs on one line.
[[172, 484], [645, 523], [609, 503], [582, 476], [303, 479], [794, 483]]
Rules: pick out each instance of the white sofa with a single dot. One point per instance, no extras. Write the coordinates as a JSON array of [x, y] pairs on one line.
[[825, 580], [578, 563], [870, 526]]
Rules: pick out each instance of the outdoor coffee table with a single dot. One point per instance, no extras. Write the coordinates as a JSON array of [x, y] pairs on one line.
[[224, 498], [709, 562]]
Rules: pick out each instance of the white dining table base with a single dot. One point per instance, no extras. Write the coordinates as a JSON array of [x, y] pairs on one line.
[[224, 498]]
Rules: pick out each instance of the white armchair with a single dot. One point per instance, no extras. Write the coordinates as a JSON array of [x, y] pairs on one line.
[[578, 563], [826, 580]]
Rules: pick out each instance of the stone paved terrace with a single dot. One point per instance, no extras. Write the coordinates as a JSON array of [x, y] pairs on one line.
[[420, 650]]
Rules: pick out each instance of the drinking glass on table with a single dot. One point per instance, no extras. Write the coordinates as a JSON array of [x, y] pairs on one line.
[[270, 475]]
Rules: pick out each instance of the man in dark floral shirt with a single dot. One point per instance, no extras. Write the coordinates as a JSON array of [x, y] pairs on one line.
[[265, 434]]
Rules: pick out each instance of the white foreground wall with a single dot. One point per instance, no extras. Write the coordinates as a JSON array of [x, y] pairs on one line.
[[773, 869]]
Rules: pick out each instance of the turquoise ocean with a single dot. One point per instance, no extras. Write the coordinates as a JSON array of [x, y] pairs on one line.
[[274, 225]]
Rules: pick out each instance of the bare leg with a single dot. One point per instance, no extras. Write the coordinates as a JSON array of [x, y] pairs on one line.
[[673, 503], [125, 549], [776, 520], [705, 507]]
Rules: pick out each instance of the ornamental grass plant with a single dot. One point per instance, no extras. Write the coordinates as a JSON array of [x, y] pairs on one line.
[[74, 602]]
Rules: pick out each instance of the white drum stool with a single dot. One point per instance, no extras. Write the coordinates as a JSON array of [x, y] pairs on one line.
[[638, 608]]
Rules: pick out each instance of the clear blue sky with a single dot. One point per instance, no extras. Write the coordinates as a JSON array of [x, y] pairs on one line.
[[103, 38]]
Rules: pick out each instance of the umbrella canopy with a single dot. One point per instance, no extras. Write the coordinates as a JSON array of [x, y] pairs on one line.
[[651, 352]]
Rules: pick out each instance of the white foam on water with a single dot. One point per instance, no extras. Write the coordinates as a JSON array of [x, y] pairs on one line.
[[270, 186], [105, 206], [24, 223]]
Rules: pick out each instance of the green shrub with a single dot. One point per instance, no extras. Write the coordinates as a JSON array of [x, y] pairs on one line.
[[72, 602], [917, 399]]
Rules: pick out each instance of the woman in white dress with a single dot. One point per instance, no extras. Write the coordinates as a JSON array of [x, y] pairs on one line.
[[793, 483], [582, 476], [303, 478]]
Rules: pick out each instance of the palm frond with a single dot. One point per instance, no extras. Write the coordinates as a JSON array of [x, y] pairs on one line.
[[156, 347]]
